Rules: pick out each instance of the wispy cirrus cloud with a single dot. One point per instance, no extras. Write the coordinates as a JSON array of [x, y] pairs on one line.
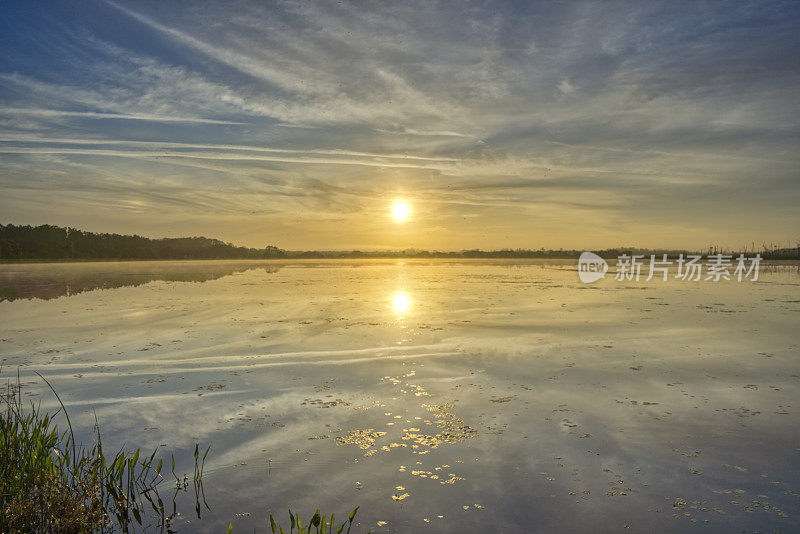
[[56, 113]]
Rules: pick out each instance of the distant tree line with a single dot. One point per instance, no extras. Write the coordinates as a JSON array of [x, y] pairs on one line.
[[54, 243], [47, 242]]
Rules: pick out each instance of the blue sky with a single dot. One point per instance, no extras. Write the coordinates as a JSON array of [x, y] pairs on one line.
[[502, 124]]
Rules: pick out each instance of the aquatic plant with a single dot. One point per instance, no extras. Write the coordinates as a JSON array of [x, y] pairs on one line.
[[50, 484], [319, 524]]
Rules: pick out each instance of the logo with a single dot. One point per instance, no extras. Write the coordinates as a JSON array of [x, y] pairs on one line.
[[591, 267]]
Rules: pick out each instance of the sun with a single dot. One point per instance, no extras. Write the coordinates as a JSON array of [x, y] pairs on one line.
[[401, 211]]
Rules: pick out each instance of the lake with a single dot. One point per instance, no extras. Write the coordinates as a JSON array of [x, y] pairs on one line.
[[437, 395]]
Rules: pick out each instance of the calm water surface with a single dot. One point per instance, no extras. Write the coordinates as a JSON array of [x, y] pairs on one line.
[[440, 396]]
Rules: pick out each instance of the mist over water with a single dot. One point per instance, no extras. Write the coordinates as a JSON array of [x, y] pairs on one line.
[[439, 396]]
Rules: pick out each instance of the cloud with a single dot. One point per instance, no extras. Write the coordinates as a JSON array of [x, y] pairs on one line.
[[55, 113], [565, 87], [489, 114]]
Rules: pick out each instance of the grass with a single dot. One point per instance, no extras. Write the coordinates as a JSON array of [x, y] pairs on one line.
[[48, 483], [320, 524]]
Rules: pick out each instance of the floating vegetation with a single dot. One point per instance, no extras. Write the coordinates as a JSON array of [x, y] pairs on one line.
[[325, 385], [375, 404], [681, 507], [418, 391], [319, 403], [453, 429], [363, 439], [432, 475], [566, 423], [213, 386], [735, 468]]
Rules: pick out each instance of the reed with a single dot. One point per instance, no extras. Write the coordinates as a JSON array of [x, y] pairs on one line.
[[319, 524], [50, 484]]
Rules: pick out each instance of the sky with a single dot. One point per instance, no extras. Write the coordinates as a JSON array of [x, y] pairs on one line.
[[578, 125]]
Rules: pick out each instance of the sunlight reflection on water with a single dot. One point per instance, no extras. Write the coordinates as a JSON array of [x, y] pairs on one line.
[[401, 303]]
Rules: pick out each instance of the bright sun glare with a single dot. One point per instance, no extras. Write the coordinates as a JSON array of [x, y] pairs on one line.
[[401, 303], [401, 211]]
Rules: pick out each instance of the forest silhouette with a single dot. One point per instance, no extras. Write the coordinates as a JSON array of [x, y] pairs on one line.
[[48, 242]]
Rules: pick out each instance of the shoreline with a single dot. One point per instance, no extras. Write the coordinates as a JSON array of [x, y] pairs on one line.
[[789, 261]]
